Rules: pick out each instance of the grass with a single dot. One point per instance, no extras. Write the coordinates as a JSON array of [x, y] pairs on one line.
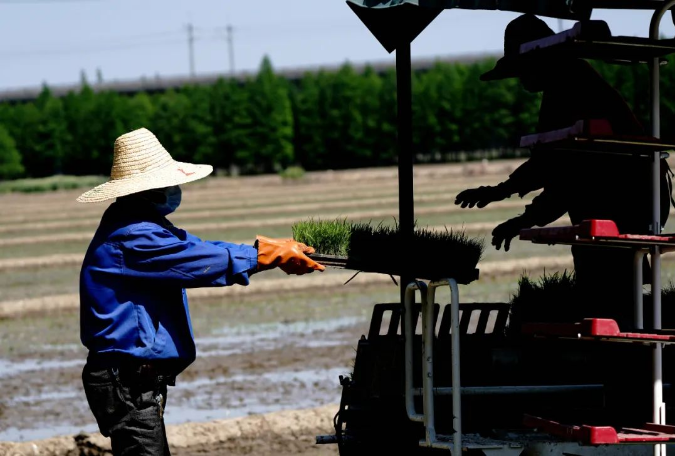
[[293, 173], [554, 298], [46, 184], [379, 248]]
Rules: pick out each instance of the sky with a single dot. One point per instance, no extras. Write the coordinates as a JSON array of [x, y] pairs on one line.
[[55, 41]]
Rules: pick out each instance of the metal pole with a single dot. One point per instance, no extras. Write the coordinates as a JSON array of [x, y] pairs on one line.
[[230, 45], [428, 367], [456, 379], [455, 362], [511, 390], [658, 407], [637, 289], [406, 206], [409, 334], [191, 49]]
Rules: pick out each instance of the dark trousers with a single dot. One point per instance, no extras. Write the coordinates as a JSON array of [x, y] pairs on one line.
[[128, 404]]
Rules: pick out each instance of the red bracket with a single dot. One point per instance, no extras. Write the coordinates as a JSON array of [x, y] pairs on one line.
[[602, 435], [592, 329]]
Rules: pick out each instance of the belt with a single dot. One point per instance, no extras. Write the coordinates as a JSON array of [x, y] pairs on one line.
[[134, 369]]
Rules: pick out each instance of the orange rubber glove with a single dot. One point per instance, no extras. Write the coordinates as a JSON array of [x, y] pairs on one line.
[[285, 254]]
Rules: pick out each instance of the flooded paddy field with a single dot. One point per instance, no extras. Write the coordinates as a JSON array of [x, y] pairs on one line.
[[277, 346]]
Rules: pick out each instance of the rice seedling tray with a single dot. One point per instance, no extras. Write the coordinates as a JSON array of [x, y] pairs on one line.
[[595, 135], [463, 277], [381, 249]]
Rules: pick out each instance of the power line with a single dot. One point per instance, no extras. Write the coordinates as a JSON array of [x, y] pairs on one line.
[[93, 46], [56, 52], [19, 2]]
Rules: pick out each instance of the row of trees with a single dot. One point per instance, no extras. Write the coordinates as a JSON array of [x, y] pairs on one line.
[[326, 120]]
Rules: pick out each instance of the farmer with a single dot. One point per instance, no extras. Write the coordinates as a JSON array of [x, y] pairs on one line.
[[583, 185], [134, 315]]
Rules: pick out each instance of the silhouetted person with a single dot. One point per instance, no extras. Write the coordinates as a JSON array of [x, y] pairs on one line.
[[584, 185]]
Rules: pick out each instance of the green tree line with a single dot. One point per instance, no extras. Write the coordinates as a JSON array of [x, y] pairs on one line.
[[324, 120]]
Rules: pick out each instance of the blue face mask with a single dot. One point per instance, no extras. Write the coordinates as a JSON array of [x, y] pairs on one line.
[[173, 197]]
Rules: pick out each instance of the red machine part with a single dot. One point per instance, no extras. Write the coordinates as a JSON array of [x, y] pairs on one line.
[[600, 232], [602, 435], [593, 329]]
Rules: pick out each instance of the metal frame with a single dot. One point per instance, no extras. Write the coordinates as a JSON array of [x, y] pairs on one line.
[[406, 220], [427, 350], [428, 298], [409, 332], [658, 407], [638, 294]]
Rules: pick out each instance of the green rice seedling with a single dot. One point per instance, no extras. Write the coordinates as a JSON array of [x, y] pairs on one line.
[[328, 237], [550, 299], [381, 248], [555, 299]]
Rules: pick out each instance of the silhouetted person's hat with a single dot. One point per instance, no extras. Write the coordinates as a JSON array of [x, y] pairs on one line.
[[521, 30]]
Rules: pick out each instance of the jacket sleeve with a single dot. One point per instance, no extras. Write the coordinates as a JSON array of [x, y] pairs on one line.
[[155, 253], [545, 208], [221, 244], [527, 178]]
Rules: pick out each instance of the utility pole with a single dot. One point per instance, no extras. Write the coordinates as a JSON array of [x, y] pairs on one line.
[[230, 45], [191, 49]]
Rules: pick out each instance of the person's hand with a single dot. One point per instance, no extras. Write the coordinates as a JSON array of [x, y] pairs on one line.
[[506, 231], [286, 254], [481, 196]]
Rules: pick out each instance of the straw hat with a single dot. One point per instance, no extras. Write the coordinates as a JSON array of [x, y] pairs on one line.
[[523, 29], [141, 163]]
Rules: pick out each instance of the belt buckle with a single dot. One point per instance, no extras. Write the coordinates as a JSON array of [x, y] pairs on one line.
[[146, 369]]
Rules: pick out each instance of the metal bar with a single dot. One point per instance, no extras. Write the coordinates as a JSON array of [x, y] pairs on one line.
[[406, 204], [329, 260], [394, 322], [405, 152], [326, 439], [658, 407], [409, 332], [455, 353], [637, 289], [456, 380], [428, 367], [481, 327], [511, 390]]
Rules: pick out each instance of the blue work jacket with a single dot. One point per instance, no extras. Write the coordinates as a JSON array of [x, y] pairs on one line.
[[133, 279]]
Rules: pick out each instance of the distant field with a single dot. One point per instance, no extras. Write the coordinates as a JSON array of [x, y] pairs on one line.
[[44, 235]]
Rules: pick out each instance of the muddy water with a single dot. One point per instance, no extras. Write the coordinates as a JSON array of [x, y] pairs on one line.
[[240, 370], [255, 354]]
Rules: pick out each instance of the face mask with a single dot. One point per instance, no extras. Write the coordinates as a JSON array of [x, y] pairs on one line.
[[172, 196]]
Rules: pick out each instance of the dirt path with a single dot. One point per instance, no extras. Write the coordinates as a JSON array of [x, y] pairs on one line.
[[259, 223], [279, 433], [333, 279], [303, 198], [220, 212]]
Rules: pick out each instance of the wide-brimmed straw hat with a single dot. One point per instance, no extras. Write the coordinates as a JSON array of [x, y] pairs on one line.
[[141, 163], [523, 29]]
